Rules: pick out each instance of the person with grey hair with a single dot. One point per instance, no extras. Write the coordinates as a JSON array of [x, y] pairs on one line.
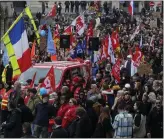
[[93, 93], [16, 94], [120, 95]]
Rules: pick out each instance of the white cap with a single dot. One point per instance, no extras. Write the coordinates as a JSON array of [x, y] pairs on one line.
[[129, 56], [127, 85]]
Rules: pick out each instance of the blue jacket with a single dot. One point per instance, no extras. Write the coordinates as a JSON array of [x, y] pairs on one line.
[[44, 112]]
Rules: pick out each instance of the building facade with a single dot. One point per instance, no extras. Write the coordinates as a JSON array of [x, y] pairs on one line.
[[6, 17]]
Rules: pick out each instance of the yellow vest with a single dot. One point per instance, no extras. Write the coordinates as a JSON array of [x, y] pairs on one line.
[[4, 74]]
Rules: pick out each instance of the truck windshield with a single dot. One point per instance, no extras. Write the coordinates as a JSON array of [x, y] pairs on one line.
[[40, 73]]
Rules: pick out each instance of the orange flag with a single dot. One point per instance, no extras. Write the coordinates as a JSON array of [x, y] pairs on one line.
[[54, 57], [33, 49]]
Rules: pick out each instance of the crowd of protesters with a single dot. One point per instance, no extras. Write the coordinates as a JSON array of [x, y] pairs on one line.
[[131, 108]]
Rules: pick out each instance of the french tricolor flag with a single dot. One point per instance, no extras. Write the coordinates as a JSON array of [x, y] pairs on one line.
[[130, 8], [19, 41]]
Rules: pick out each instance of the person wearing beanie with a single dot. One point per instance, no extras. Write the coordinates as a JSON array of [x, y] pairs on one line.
[[34, 100], [43, 111]]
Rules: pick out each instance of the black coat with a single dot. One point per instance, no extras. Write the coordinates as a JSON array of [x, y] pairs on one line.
[[155, 123], [59, 132], [83, 128], [92, 114], [13, 127], [26, 114]]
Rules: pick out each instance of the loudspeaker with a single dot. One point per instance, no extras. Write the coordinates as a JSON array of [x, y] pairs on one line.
[[94, 43], [64, 41]]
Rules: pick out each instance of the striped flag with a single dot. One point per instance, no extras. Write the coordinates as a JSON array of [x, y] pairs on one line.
[[16, 42]]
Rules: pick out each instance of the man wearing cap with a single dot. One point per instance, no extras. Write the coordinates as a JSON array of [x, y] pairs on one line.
[[34, 99], [127, 64]]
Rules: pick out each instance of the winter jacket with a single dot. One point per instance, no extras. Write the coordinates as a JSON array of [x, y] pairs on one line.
[[44, 112], [62, 110], [83, 128], [13, 126], [92, 114], [26, 114], [14, 97], [59, 132], [69, 116], [155, 123], [32, 103]]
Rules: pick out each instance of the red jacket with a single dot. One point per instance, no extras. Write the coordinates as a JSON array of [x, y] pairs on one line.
[[69, 116], [62, 110]]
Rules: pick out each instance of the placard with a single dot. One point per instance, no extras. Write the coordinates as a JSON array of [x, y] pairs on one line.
[[144, 69]]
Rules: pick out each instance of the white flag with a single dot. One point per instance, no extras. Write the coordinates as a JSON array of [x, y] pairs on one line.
[[135, 33], [110, 50]]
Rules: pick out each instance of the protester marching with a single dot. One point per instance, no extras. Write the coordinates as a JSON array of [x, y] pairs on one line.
[[90, 72]]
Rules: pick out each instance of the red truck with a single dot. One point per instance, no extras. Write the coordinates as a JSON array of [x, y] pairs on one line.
[[64, 70]]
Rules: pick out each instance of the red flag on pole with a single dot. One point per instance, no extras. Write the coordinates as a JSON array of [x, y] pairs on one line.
[[52, 13], [115, 40], [116, 71], [49, 81], [137, 57], [33, 80], [130, 8]]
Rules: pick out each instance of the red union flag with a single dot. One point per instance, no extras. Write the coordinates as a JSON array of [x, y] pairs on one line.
[[68, 30], [115, 40], [116, 71], [49, 81], [80, 25], [52, 13], [137, 57]]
